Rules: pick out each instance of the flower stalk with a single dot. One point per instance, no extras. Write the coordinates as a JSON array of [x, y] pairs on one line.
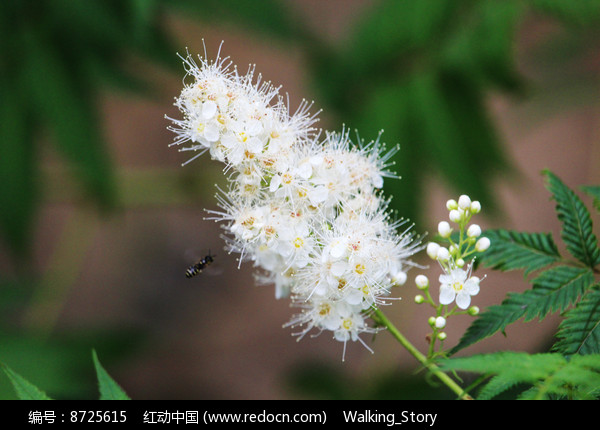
[[379, 317]]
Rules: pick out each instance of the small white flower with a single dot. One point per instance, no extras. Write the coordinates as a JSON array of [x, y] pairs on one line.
[[456, 284]]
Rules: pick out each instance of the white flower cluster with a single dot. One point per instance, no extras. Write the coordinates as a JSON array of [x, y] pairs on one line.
[[308, 212]]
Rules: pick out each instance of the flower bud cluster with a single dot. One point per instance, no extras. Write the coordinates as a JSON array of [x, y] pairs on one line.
[[456, 282], [308, 212]]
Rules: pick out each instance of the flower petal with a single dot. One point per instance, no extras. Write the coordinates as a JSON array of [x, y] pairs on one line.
[[463, 300], [447, 295]]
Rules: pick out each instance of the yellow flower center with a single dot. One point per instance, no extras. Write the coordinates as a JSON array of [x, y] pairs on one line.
[[324, 309], [298, 242], [248, 222], [360, 268]]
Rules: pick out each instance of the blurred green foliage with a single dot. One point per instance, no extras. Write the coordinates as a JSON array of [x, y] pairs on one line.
[[422, 72], [419, 70]]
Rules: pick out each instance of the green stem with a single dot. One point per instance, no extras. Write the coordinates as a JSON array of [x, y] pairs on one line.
[[380, 318]]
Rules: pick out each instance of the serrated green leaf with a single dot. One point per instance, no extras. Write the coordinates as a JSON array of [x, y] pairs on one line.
[[549, 374], [552, 291], [593, 191], [577, 232], [25, 390], [109, 389], [497, 385], [510, 250], [519, 366], [579, 332]]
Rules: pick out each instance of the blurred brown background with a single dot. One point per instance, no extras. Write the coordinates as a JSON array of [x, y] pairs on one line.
[[219, 335]]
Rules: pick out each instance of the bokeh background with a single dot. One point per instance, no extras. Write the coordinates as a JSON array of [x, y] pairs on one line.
[[99, 221]]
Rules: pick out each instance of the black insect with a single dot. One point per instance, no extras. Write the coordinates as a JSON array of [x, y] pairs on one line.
[[197, 268]]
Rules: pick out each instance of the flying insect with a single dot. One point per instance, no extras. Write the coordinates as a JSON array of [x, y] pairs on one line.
[[200, 265]]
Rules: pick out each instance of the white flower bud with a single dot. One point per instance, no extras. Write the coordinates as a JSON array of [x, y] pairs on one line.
[[451, 204], [453, 249], [474, 231], [475, 207], [443, 254], [455, 215], [444, 229], [482, 244], [419, 299], [464, 202], [460, 263], [432, 250], [440, 322], [399, 278], [442, 336], [431, 321], [422, 282]]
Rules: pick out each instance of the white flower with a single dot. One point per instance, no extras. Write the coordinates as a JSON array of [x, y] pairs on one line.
[[456, 284]]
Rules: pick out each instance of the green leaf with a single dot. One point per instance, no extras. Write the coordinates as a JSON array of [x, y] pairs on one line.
[[552, 291], [577, 225], [25, 390], [497, 385], [272, 17], [548, 374], [581, 13], [510, 250], [441, 135], [109, 389], [65, 109], [579, 332], [19, 194], [593, 191]]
